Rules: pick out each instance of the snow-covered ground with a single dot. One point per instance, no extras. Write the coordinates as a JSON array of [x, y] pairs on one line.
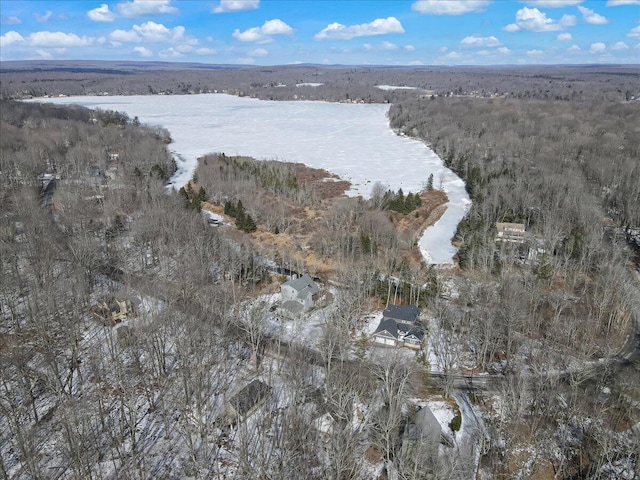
[[353, 141], [213, 218], [395, 87]]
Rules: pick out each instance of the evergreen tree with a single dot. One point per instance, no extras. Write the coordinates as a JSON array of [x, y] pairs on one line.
[[249, 224], [196, 204], [202, 195], [229, 209], [240, 219], [365, 244]]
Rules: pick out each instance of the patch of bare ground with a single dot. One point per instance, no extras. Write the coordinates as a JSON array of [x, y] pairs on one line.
[[306, 223], [321, 183]]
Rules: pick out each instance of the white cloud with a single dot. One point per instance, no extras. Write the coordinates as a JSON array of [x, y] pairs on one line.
[[143, 52], [152, 32], [476, 41], [453, 55], [251, 35], [185, 48], [597, 47], [170, 53], [245, 61], [259, 52], [592, 17], [416, 63], [619, 46], [44, 54], [236, 6], [449, 7], [634, 33], [388, 46], [564, 37], [124, 36], [503, 51], [534, 20], [101, 14], [206, 51], [380, 26], [276, 27], [617, 3], [12, 20], [10, 38], [58, 39], [264, 33], [551, 3], [573, 49], [157, 32], [43, 18], [535, 53], [140, 8]]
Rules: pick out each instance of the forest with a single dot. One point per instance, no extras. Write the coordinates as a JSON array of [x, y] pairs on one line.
[[128, 324]]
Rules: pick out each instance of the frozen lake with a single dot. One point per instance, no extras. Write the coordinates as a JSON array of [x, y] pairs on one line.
[[353, 141]]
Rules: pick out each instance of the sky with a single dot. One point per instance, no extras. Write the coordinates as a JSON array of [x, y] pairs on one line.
[[345, 32]]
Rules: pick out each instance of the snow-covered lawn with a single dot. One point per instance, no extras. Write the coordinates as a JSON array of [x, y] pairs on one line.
[[353, 141]]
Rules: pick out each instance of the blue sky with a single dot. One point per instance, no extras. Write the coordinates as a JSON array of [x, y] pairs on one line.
[[353, 32]]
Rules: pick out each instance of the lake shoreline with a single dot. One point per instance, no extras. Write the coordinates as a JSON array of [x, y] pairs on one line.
[[353, 141]]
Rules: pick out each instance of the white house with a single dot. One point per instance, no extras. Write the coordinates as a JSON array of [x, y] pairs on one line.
[[300, 294]]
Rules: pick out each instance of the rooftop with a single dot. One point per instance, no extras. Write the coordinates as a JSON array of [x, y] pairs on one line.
[[403, 313]]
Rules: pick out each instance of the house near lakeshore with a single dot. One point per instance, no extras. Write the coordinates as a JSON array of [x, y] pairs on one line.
[[400, 327], [299, 294], [511, 232], [529, 246]]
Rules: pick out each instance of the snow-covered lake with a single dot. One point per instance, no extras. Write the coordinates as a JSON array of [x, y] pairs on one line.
[[353, 141]]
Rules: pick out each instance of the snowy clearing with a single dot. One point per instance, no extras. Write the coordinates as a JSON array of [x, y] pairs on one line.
[[395, 87]]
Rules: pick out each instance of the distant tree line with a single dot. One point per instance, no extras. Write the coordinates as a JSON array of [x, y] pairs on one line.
[[338, 84]]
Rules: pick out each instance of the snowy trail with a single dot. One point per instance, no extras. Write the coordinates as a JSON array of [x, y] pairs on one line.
[[353, 141], [470, 436]]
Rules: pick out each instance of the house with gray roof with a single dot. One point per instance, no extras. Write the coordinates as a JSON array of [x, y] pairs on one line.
[[423, 435], [402, 313], [299, 294], [400, 327], [244, 403]]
